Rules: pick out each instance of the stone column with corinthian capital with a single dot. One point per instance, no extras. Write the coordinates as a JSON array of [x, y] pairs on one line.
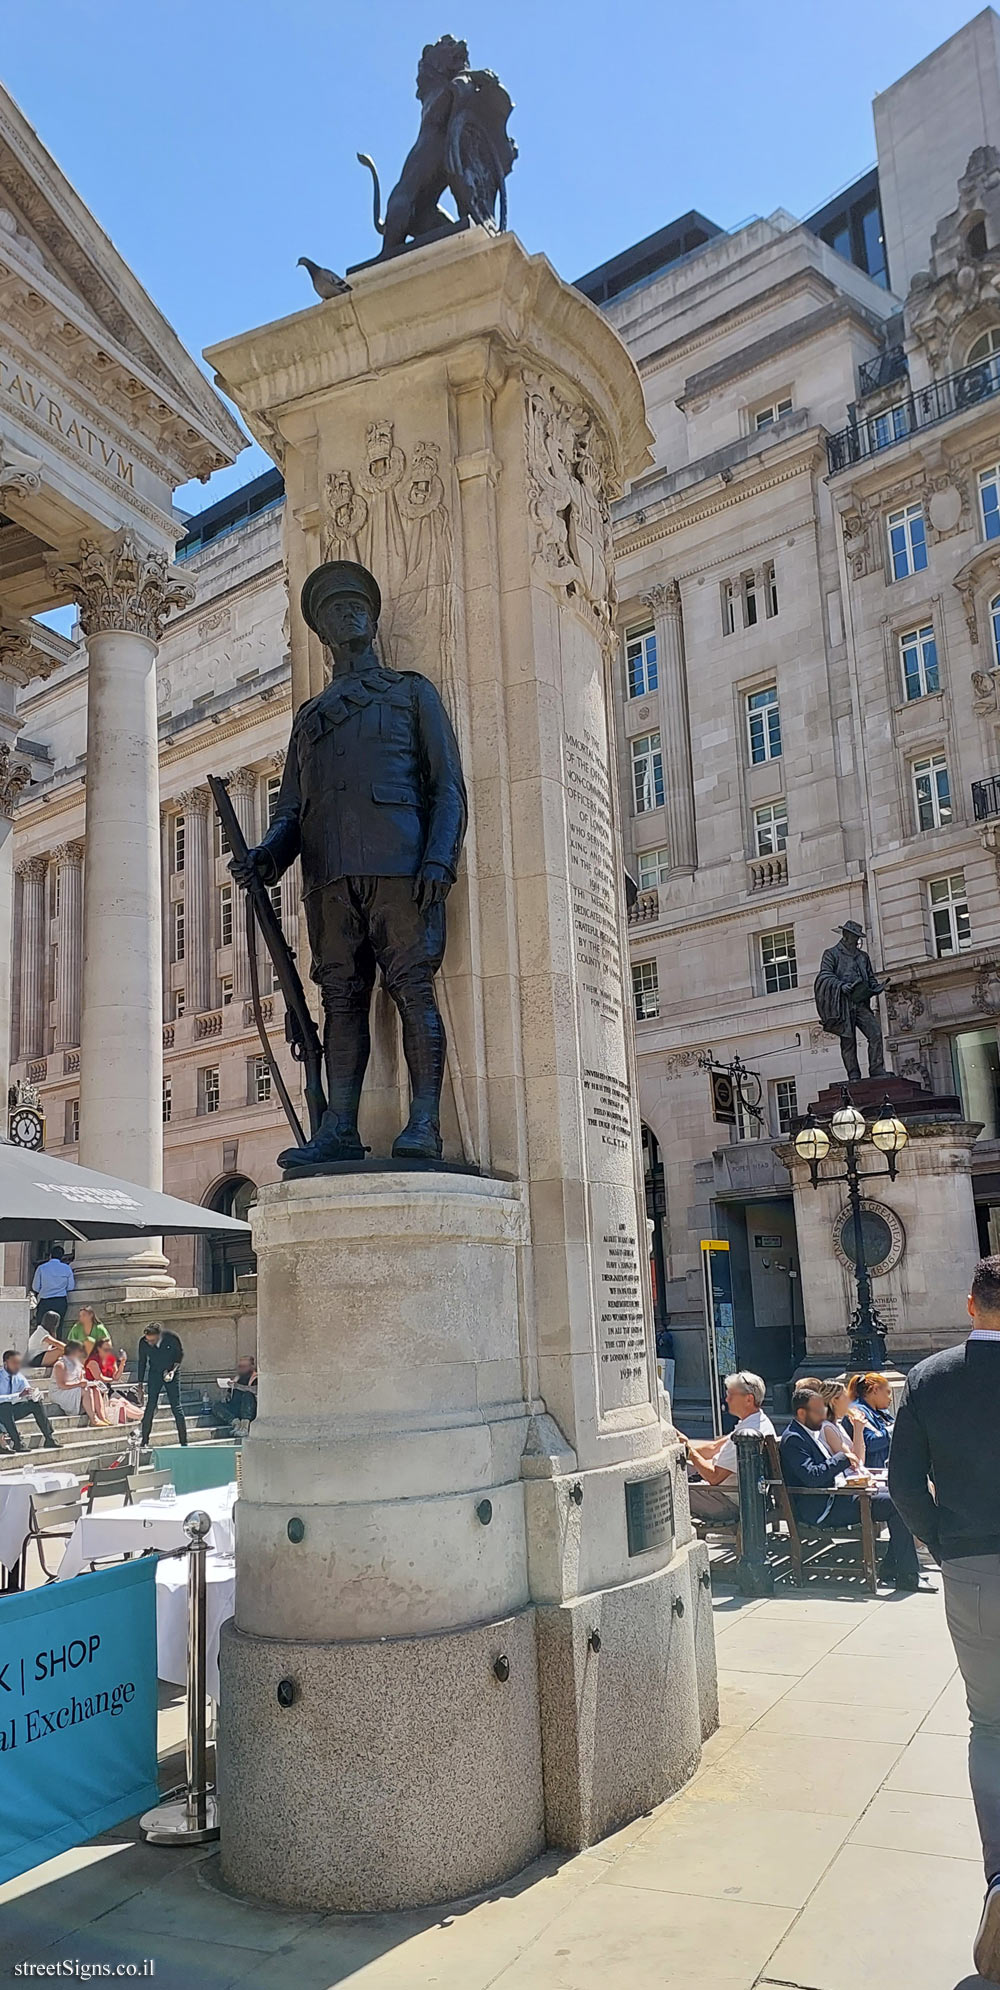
[[199, 980], [665, 602], [242, 785], [125, 591], [20, 661], [69, 956], [32, 873]]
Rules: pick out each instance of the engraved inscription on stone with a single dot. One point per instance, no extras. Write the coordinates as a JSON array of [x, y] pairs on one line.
[[649, 1513], [622, 1360], [621, 1325]]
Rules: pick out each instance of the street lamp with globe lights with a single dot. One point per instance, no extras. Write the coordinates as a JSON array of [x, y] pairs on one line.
[[812, 1145]]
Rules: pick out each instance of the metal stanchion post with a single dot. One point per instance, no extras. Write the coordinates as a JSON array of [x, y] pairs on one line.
[[754, 1572], [190, 1816]]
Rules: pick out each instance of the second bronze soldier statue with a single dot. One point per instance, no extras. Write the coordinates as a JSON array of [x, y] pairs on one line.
[[373, 801]]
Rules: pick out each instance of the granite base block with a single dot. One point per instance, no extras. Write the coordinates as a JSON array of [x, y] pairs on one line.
[[706, 1665], [405, 1771], [621, 1724]]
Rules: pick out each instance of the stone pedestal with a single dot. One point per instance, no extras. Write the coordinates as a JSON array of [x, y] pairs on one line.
[[460, 424]]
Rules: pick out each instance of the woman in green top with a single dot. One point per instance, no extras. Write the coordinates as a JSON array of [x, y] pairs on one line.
[[88, 1331]]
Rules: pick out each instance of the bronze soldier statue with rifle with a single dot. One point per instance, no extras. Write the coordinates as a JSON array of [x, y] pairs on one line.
[[373, 801]]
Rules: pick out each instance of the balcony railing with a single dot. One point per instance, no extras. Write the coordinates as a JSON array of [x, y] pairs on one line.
[[765, 872], [928, 405], [986, 798], [882, 371], [645, 909]]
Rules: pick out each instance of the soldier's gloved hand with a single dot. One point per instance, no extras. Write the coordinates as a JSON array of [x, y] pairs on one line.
[[256, 864], [431, 885]]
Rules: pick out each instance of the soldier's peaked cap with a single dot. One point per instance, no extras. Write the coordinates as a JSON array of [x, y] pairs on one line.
[[337, 577]]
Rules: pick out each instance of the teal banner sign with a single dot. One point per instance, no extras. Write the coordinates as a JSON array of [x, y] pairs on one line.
[[77, 1711]]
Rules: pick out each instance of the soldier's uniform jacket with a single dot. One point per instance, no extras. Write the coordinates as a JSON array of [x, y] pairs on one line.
[[845, 981], [373, 782]]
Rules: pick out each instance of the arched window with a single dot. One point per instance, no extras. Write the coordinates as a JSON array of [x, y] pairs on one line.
[[229, 1258], [995, 630], [985, 346], [975, 240]]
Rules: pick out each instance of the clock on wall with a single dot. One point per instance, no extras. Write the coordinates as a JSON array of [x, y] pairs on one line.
[[26, 1127]]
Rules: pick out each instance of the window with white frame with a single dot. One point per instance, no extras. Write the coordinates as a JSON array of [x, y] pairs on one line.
[[918, 660], [258, 1081], [56, 876], [225, 915], [72, 1122], [786, 1105], [763, 725], [209, 1090], [950, 914], [770, 829], [995, 630], [653, 867], [226, 990], [748, 596], [770, 587], [748, 1123], [767, 416], [179, 929], [274, 894], [907, 541], [640, 661], [645, 989], [168, 1099], [728, 608], [178, 1004], [272, 790], [986, 349], [778, 966], [890, 426], [177, 842], [989, 501], [223, 846], [932, 792], [647, 772]]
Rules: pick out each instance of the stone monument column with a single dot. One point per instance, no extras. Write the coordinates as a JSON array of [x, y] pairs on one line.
[[199, 986], [20, 662], [32, 872], [69, 958], [678, 778], [125, 591], [243, 793], [464, 1551]]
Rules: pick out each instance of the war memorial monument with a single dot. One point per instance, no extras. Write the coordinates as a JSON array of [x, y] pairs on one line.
[[471, 1619]]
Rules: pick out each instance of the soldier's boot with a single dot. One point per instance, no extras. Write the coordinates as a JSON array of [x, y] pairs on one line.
[[346, 1046], [424, 1050]]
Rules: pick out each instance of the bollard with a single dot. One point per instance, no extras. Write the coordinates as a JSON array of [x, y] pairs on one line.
[[190, 1816], [753, 1571]]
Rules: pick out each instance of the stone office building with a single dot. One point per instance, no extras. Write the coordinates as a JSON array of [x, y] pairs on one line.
[[809, 586], [809, 616]]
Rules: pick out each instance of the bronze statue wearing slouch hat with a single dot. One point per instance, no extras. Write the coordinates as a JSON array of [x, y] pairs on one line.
[[373, 801], [844, 990]]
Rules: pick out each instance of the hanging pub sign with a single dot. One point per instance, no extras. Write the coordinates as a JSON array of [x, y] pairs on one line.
[[723, 1097]]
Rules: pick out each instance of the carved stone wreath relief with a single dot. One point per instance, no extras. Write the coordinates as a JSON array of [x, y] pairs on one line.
[[568, 477]]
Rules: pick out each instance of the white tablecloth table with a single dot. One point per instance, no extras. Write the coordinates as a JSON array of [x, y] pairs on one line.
[[172, 1617], [16, 1489], [150, 1523]]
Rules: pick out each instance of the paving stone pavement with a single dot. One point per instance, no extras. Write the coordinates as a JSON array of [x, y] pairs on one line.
[[829, 1838]]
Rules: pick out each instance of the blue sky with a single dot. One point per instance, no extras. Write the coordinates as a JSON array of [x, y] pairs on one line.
[[215, 140]]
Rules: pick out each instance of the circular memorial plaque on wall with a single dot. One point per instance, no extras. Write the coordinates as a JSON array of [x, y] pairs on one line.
[[883, 1237]]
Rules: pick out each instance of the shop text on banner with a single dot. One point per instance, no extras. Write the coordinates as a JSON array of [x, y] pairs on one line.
[[77, 1711]]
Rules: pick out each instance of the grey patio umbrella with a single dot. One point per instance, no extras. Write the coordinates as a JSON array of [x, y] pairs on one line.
[[41, 1197]]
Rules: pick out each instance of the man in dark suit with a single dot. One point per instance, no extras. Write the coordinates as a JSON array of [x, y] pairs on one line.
[[806, 1461], [944, 1475], [373, 800], [160, 1356]]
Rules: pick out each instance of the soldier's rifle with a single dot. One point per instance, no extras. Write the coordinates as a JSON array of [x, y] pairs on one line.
[[300, 1029]]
